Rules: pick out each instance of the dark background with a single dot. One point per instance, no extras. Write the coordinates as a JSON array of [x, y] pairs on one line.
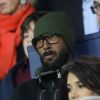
[[73, 8]]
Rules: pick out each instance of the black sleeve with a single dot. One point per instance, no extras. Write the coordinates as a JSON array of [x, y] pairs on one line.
[[27, 91]]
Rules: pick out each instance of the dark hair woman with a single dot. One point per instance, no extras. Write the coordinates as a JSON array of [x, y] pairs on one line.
[[81, 77]]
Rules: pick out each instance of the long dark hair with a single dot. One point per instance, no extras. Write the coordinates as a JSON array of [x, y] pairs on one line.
[[87, 70]]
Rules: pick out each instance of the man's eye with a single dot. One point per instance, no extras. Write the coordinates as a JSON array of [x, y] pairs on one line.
[[40, 40]]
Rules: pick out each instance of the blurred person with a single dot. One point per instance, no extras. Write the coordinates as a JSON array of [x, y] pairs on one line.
[[27, 36], [81, 78], [53, 39], [12, 15], [96, 10], [96, 7], [20, 72], [89, 26]]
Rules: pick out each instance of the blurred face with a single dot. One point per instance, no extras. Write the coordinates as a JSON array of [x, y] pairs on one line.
[[54, 52], [76, 88], [97, 7], [9, 6], [28, 36]]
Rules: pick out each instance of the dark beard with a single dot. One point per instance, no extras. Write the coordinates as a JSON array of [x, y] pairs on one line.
[[59, 62]]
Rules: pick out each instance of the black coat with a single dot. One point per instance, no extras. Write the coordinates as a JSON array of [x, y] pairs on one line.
[[46, 87], [8, 84]]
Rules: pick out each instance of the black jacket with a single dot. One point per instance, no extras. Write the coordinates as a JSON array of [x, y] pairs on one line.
[[8, 84], [46, 87]]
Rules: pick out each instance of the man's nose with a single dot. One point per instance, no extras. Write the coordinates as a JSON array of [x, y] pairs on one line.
[[46, 45]]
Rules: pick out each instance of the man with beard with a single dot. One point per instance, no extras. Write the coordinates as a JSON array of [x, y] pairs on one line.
[[53, 40]]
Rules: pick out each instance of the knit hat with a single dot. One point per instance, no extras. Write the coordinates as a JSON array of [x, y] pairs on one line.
[[56, 22]]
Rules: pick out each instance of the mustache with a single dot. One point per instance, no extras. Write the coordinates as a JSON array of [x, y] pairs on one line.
[[47, 53]]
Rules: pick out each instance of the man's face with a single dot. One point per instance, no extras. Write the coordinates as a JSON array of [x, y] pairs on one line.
[[9, 6], [53, 55]]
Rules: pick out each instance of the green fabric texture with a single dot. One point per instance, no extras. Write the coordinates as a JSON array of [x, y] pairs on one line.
[[56, 22]]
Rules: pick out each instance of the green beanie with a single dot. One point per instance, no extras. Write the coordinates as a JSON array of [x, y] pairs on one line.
[[56, 22]]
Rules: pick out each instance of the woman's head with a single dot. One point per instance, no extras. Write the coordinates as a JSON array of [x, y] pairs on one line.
[[27, 29], [82, 77]]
